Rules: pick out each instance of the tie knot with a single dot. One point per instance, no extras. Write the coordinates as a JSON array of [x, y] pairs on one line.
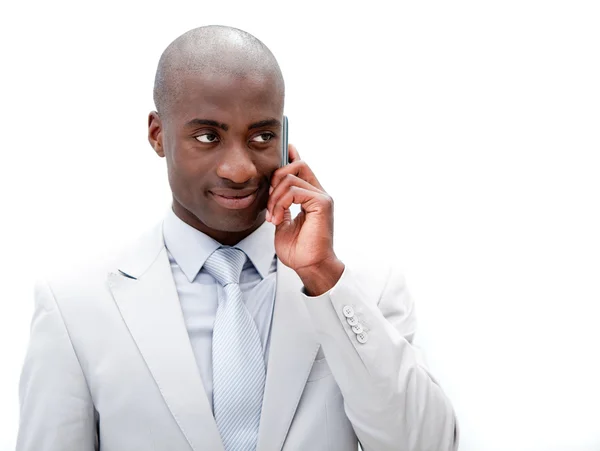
[[225, 264]]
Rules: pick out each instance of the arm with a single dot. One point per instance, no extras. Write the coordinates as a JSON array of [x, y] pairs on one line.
[[57, 412], [390, 398]]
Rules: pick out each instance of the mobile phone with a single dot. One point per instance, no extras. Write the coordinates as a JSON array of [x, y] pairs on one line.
[[285, 158]]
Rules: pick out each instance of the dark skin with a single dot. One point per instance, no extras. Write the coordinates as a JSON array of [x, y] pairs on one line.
[[225, 134]]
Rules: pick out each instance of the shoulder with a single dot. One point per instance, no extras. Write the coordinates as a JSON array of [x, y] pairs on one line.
[[374, 275], [78, 278], [85, 276]]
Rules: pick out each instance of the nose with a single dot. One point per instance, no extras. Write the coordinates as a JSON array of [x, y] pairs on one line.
[[236, 164]]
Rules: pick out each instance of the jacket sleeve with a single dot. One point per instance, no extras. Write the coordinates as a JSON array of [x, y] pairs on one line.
[[390, 398], [56, 409]]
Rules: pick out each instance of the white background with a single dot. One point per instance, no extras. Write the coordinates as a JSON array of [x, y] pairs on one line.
[[459, 138]]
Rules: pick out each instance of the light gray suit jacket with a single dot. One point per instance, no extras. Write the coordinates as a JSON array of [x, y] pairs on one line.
[[110, 366]]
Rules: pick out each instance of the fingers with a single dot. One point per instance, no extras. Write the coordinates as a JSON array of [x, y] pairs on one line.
[[293, 153], [294, 183], [298, 168], [284, 185], [310, 200]]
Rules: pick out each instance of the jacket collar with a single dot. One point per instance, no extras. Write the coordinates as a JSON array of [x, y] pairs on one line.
[[144, 291]]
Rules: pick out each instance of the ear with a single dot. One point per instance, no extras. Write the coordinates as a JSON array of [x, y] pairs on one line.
[[155, 130]]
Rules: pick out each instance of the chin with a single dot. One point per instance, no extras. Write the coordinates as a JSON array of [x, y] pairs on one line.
[[236, 222]]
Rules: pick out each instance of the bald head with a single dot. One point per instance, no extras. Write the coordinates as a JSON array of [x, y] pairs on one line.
[[212, 50]]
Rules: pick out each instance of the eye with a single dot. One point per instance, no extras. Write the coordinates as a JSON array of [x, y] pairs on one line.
[[207, 138], [263, 137]]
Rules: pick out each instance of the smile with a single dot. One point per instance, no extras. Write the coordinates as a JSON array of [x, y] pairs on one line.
[[235, 203]]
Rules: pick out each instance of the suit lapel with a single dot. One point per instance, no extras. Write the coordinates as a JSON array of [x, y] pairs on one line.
[[292, 352], [145, 293]]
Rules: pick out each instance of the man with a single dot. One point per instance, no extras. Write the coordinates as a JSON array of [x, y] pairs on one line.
[[229, 325]]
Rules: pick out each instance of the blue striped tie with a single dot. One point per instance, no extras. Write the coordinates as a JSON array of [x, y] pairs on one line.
[[237, 354]]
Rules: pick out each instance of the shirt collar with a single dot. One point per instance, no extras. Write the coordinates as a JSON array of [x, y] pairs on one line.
[[259, 246], [190, 248]]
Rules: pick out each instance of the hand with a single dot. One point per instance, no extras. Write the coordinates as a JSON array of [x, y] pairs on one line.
[[304, 243]]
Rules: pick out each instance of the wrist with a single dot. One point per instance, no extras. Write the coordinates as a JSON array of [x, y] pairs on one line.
[[321, 277]]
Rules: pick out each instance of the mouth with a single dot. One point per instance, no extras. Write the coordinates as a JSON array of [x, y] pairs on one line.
[[233, 201]]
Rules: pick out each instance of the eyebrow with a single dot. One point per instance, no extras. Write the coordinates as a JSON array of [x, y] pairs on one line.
[[196, 122], [266, 123]]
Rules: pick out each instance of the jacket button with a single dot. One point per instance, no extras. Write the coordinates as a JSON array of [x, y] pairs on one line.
[[362, 337], [357, 329], [348, 311]]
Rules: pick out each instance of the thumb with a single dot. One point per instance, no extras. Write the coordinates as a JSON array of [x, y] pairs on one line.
[[286, 223], [287, 218]]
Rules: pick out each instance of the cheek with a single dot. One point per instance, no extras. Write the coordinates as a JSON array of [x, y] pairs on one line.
[[269, 162], [187, 169]]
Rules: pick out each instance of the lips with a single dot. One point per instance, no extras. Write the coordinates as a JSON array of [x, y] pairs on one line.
[[235, 199]]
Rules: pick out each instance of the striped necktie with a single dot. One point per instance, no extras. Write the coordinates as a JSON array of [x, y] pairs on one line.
[[237, 356]]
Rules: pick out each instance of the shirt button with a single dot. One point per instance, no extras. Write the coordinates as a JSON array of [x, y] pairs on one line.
[[362, 337], [348, 311], [353, 320], [357, 329]]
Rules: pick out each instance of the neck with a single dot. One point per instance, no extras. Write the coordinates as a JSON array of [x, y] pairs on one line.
[[226, 238]]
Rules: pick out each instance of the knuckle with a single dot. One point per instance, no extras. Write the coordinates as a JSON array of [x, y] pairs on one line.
[[301, 165], [279, 172]]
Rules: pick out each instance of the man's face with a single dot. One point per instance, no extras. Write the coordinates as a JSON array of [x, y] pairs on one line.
[[221, 137]]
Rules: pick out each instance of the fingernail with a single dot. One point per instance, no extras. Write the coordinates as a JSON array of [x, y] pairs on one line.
[[268, 216], [270, 190]]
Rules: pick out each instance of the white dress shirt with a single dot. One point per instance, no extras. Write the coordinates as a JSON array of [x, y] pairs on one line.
[[198, 291]]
